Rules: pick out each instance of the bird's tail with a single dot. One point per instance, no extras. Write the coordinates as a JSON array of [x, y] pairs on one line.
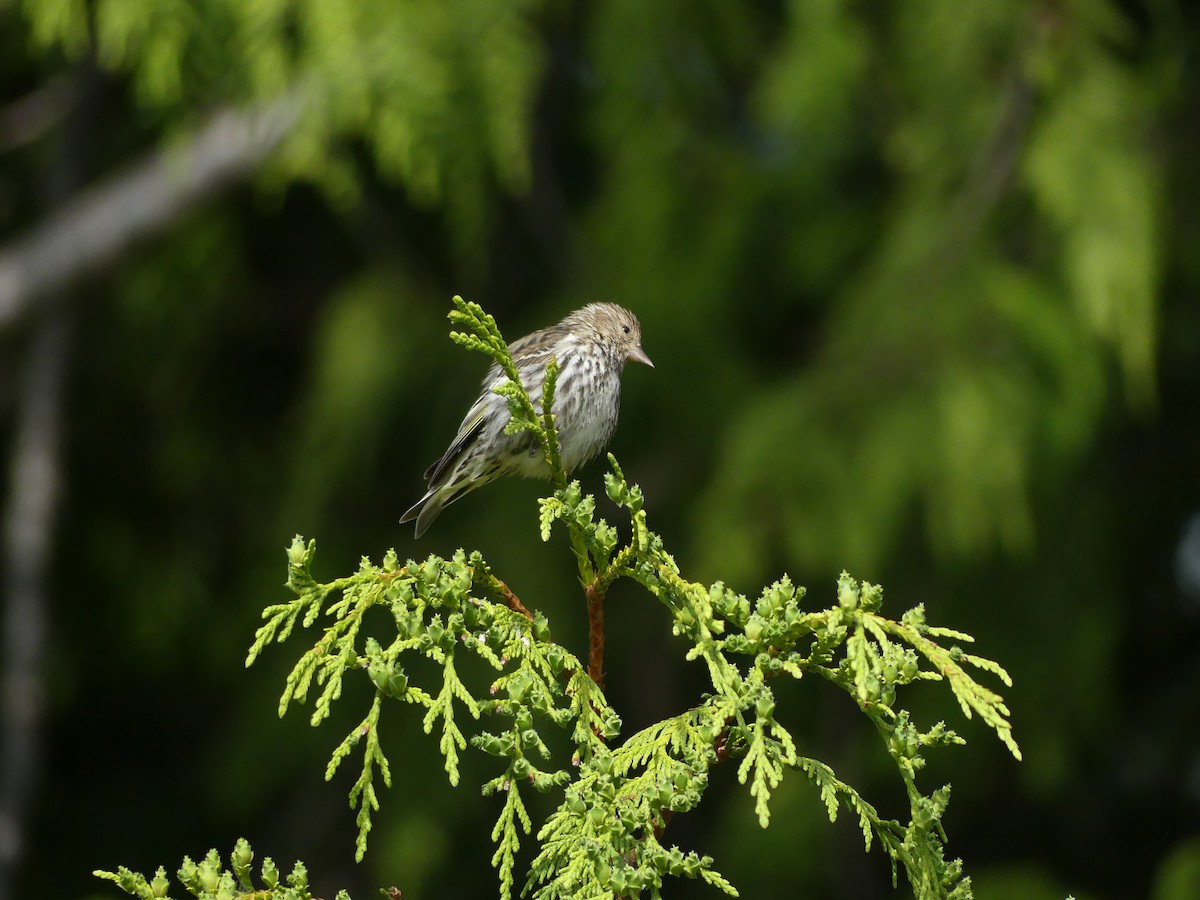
[[439, 496], [424, 511]]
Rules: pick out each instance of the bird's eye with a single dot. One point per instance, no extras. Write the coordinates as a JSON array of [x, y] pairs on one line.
[[625, 328]]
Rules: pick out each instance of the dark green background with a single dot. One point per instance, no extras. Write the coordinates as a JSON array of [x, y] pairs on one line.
[[921, 284]]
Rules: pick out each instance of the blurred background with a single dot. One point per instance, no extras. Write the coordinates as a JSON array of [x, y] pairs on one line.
[[921, 284]]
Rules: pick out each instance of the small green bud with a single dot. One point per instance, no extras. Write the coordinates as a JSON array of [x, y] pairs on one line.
[[243, 856], [765, 706], [270, 873], [848, 594], [188, 872], [129, 882], [872, 597], [953, 873], [675, 862], [378, 673], [615, 488], [737, 643], [517, 689], [488, 743], [299, 877], [618, 881], [160, 884], [923, 815], [208, 878], [868, 692]]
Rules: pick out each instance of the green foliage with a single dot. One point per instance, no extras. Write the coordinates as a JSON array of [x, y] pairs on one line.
[[617, 799], [605, 837], [209, 880], [444, 119], [1008, 248], [438, 608], [922, 248], [953, 234]]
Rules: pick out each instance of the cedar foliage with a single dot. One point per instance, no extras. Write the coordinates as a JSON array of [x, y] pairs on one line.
[[618, 794]]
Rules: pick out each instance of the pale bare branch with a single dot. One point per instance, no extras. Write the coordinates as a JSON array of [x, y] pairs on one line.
[[27, 541], [97, 225]]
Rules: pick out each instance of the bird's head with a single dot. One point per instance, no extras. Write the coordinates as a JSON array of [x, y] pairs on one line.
[[618, 328]]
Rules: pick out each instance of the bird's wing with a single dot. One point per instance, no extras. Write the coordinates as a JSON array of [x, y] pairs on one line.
[[533, 352], [523, 346], [466, 431]]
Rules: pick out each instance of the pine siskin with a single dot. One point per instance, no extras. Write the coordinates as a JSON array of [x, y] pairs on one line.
[[591, 345]]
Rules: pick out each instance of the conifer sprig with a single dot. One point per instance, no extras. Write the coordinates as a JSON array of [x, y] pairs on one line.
[[618, 794]]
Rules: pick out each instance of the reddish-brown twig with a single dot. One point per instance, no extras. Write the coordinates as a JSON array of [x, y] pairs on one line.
[[512, 600], [595, 607]]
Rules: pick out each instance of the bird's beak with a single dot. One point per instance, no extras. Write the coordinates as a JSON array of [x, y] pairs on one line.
[[637, 354]]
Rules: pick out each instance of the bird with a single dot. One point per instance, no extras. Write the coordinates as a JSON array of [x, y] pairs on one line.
[[591, 346]]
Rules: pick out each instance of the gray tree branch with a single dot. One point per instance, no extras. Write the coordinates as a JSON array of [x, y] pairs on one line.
[[29, 118], [98, 224], [28, 538]]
